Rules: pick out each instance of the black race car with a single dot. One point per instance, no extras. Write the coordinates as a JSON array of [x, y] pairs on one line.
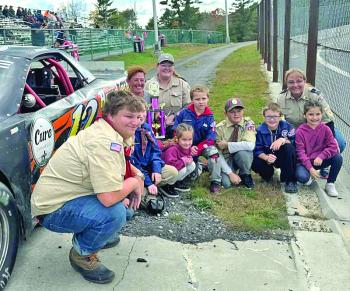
[[45, 97]]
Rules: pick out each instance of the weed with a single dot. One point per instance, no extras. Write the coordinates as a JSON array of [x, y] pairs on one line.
[[176, 218]]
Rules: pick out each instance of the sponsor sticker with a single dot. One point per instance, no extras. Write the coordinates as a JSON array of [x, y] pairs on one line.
[[43, 140]]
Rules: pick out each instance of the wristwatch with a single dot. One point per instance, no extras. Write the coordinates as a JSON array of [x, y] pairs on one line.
[[140, 175]]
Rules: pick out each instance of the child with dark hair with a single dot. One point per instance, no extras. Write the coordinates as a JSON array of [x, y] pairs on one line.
[[274, 148], [317, 148]]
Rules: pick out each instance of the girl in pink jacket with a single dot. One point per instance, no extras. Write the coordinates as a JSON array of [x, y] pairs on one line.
[[179, 155], [316, 148]]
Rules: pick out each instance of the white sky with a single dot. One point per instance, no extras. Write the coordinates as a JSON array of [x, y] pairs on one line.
[[144, 8]]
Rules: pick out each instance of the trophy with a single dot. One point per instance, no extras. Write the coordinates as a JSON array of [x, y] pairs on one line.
[[155, 112]]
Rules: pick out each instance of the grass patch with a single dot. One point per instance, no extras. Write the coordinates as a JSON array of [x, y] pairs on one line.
[[176, 218], [262, 208], [148, 60]]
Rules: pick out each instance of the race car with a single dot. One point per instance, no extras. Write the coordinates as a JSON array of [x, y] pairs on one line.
[[46, 96]]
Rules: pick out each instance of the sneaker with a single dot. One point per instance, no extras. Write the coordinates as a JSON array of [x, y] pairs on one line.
[[247, 181], [90, 268], [112, 243], [330, 190], [311, 180], [324, 173], [215, 187], [291, 187], [181, 187], [168, 191]]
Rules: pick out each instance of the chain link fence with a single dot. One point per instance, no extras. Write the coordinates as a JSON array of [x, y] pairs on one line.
[[93, 42], [332, 71]]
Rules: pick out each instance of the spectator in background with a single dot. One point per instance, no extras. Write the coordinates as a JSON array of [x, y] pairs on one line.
[[1, 15], [19, 12], [12, 12], [174, 92], [5, 11]]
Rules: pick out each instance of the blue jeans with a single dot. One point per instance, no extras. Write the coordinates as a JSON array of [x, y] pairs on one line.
[[340, 139], [303, 175], [91, 223]]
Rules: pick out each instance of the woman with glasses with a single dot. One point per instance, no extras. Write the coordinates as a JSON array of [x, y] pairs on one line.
[[174, 92], [274, 148], [293, 99]]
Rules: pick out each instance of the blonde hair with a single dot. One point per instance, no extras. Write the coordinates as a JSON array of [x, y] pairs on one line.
[[273, 107], [294, 71], [181, 128], [199, 88]]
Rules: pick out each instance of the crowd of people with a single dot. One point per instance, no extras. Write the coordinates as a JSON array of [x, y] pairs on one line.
[[97, 179], [46, 18]]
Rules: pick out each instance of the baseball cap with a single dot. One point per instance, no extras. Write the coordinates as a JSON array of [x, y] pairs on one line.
[[233, 103], [166, 58]]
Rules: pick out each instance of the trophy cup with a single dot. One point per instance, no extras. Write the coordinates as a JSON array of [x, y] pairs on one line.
[[155, 112]]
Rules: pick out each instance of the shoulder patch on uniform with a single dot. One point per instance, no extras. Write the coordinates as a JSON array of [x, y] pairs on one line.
[[250, 125], [291, 132], [213, 124], [314, 90], [115, 147]]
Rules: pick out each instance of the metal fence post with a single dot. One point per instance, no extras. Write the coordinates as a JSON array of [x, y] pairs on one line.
[[258, 27], [91, 53], [268, 24], [275, 43], [312, 42], [287, 19], [266, 32], [261, 25]]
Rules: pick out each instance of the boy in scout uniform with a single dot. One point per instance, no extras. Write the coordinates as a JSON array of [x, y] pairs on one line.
[[82, 187], [235, 137]]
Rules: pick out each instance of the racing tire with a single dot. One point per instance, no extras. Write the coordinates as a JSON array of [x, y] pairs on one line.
[[9, 234]]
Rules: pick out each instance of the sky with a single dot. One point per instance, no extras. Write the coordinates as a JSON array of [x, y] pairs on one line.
[[144, 8]]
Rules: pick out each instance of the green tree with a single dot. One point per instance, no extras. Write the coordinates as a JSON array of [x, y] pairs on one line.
[[104, 12], [243, 20], [168, 19], [184, 14]]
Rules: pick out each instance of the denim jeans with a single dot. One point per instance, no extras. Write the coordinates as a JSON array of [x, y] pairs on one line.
[[340, 139], [91, 223], [303, 175]]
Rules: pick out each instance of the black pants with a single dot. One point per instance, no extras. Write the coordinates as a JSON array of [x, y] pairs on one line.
[[286, 161]]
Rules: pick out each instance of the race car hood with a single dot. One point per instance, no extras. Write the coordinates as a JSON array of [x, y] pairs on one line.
[[12, 80]]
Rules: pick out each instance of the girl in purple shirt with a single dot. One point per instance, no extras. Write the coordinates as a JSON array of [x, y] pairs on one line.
[[316, 148], [179, 155]]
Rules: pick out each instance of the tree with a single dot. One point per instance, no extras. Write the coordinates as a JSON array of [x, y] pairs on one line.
[[168, 19], [183, 13], [244, 20], [73, 9], [104, 11]]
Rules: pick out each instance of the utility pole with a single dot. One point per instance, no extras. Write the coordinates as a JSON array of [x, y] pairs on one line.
[[155, 24], [226, 20]]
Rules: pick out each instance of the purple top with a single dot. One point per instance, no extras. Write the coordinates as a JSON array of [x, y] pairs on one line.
[[312, 143], [176, 156]]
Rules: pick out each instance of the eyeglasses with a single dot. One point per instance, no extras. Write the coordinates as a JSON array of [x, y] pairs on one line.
[[270, 117]]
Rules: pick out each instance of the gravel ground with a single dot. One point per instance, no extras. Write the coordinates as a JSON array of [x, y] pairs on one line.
[[184, 223]]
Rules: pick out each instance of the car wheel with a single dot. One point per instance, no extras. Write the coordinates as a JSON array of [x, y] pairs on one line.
[[9, 234]]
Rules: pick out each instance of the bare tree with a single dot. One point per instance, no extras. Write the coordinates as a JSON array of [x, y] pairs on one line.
[[73, 9]]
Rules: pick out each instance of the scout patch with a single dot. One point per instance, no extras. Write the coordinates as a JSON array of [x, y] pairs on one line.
[[291, 132], [250, 125], [284, 132], [116, 147]]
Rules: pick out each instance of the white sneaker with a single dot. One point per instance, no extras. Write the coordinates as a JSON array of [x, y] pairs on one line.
[[330, 190], [308, 183]]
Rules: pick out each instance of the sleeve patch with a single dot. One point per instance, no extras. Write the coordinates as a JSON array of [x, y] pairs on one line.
[[284, 132], [250, 125], [115, 147], [291, 132]]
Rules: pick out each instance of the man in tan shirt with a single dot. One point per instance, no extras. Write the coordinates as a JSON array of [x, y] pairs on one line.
[[81, 189]]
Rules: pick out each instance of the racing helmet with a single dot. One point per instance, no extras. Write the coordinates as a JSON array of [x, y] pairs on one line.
[[29, 100]]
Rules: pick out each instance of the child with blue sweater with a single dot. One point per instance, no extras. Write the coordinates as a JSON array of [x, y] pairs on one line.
[[274, 148]]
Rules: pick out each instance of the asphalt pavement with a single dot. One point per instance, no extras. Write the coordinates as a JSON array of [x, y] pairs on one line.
[[313, 260]]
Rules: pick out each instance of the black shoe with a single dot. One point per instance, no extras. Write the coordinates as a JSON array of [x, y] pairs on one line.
[[247, 181], [181, 186], [291, 187], [112, 243], [90, 268], [168, 191], [215, 187]]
